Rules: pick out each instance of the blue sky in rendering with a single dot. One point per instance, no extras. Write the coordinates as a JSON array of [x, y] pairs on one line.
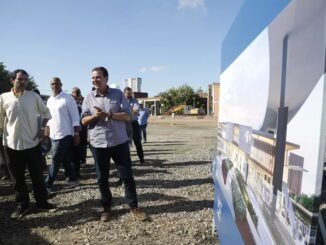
[[165, 42], [253, 17]]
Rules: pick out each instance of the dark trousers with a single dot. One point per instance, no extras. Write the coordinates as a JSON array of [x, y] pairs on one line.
[[143, 132], [83, 145], [17, 161], [121, 156], [76, 159], [62, 154], [137, 139]]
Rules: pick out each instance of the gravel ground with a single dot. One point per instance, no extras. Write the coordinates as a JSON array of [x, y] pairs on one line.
[[174, 187]]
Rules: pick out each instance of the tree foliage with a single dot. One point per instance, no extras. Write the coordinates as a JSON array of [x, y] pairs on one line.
[[201, 92], [183, 94], [5, 84], [309, 202]]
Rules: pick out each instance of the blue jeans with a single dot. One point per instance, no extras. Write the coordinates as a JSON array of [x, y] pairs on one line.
[[62, 153], [121, 156]]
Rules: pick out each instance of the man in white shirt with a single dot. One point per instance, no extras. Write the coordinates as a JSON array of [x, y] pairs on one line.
[[21, 137], [63, 128]]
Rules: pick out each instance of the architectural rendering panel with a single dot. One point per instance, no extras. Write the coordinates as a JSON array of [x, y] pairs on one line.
[[271, 200]]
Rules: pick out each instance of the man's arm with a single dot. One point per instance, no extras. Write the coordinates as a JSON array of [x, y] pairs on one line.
[[75, 118], [2, 115], [119, 116], [86, 116], [43, 110]]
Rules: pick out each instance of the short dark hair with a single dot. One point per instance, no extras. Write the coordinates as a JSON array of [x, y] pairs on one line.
[[13, 74], [102, 69], [56, 79], [127, 89], [76, 90]]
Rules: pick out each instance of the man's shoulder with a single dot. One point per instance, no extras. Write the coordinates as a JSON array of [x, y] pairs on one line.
[[133, 100], [115, 91], [31, 94], [89, 95], [67, 97], [6, 94]]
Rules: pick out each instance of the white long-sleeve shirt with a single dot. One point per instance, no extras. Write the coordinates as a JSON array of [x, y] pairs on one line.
[[65, 115], [18, 119]]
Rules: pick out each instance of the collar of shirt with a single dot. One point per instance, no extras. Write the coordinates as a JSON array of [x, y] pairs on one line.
[[59, 95], [12, 91], [96, 94]]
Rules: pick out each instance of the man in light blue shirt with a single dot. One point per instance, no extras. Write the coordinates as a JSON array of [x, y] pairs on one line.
[[133, 102], [106, 111], [143, 115]]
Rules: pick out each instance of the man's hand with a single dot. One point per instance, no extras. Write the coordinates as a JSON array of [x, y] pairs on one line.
[[40, 134], [76, 139], [100, 113]]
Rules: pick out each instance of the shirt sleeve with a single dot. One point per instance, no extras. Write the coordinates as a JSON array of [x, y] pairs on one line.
[[85, 108], [73, 111], [2, 114], [43, 109]]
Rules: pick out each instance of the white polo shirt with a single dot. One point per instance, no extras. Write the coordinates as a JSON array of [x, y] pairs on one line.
[[18, 119], [64, 114]]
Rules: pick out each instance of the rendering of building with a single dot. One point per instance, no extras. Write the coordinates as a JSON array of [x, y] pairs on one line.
[[269, 172]]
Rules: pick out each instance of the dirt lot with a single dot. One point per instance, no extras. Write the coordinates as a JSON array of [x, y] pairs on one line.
[[174, 187]]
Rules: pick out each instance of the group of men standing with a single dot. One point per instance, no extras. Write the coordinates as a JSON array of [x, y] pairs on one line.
[[105, 112]]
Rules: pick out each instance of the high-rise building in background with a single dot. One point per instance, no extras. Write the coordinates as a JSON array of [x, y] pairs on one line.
[[134, 83]]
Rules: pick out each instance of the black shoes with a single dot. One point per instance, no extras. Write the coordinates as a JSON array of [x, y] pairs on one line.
[[47, 207], [20, 211], [117, 184]]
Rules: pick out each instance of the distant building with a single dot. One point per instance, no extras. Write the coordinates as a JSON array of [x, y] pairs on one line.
[[140, 95], [213, 99], [133, 83]]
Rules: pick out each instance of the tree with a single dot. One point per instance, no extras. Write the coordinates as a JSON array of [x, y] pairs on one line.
[[182, 95], [5, 84], [201, 92]]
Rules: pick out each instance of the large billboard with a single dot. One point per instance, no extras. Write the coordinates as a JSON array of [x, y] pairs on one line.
[[269, 169]]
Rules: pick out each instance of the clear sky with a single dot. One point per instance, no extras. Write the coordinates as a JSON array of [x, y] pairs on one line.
[[165, 42]]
